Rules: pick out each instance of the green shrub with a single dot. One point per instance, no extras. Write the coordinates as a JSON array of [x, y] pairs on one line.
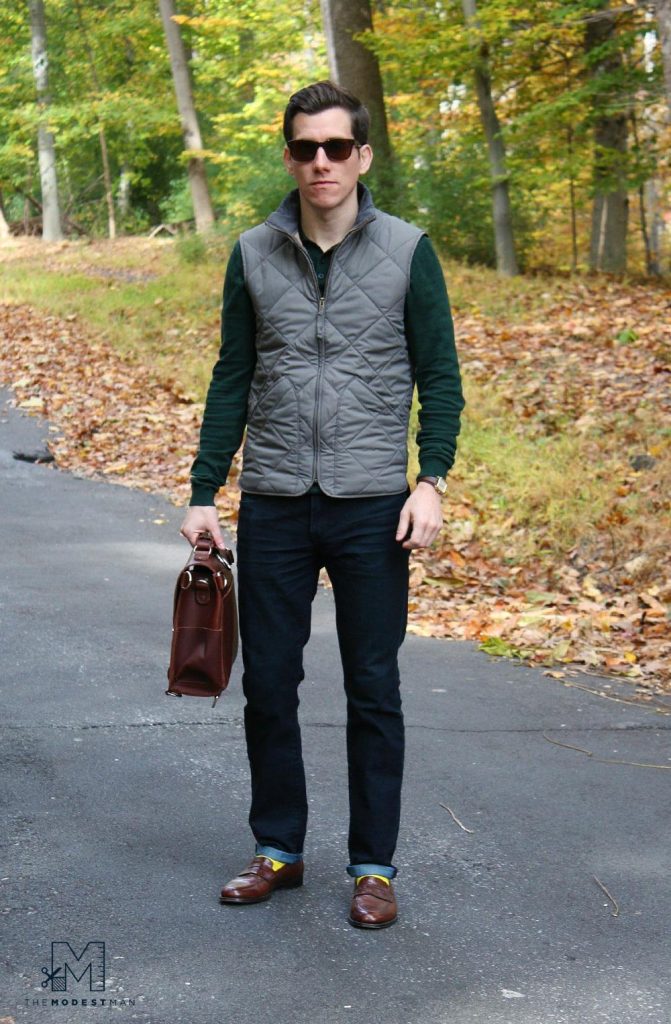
[[191, 248]]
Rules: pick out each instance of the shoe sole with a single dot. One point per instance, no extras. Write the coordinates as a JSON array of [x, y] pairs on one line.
[[260, 899], [374, 927]]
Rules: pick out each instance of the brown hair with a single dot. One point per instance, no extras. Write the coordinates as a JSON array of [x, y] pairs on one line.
[[324, 96]]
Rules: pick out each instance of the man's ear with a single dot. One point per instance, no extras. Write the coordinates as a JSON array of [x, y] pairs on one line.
[[288, 162], [365, 158]]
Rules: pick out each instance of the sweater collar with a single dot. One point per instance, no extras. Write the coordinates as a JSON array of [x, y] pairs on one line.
[[287, 216]]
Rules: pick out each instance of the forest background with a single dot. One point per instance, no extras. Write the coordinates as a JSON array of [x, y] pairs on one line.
[[531, 140]]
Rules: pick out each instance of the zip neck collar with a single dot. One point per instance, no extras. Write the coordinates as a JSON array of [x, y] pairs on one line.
[[287, 217]]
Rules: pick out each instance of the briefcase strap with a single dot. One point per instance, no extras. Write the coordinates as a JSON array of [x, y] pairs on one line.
[[204, 548]]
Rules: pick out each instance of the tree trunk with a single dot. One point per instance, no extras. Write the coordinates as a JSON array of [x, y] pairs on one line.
[[572, 203], [52, 230], [506, 259], [355, 68], [5, 231], [664, 29], [200, 195], [124, 192], [608, 246], [107, 178], [651, 255], [656, 226]]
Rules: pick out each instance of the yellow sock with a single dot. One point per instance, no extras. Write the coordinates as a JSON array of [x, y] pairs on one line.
[[381, 877], [277, 864]]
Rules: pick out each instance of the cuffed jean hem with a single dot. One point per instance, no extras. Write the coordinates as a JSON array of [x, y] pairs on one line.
[[270, 851], [386, 870]]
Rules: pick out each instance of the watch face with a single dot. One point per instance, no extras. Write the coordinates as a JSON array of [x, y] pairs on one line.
[[441, 484]]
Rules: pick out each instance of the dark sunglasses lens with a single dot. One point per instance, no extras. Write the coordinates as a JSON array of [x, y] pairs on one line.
[[303, 150], [339, 149]]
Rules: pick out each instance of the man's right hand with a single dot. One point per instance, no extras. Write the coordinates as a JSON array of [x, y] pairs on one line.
[[199, 518]]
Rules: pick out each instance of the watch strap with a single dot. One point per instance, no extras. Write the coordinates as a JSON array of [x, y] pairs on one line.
[[437, 482]]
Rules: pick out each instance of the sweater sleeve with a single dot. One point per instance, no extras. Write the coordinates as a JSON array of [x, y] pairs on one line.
[[430, 333], [225, 413]]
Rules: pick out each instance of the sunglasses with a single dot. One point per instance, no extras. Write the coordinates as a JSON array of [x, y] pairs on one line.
[[303, 151]]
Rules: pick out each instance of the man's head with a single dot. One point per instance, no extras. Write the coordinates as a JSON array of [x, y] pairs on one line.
[[319, 96], [326, 130]]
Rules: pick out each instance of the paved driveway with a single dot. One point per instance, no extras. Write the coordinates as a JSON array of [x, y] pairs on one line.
[[125, 810]]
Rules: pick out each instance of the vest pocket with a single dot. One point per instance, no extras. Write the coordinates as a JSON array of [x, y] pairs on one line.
[[273, 435], [370, 434]]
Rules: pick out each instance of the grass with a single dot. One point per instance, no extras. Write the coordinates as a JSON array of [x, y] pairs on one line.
[[482, 290], [536, 495], [535, 490], [167, 318]]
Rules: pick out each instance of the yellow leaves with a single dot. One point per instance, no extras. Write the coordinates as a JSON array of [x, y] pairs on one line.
[[417, 629], [531, 618], [604, 620], [561, 651], [635, 672], [590, 589], [498, 647]]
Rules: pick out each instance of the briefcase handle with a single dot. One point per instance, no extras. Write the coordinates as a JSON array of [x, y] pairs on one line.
[[205, 547]]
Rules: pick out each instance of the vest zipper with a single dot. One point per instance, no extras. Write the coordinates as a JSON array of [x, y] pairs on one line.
[[321, 320], [321, 357]]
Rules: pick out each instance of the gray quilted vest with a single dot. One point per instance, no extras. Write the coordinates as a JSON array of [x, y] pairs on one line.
[[332, 387]]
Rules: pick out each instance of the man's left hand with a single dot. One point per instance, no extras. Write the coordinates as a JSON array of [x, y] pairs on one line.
[[421, 517]]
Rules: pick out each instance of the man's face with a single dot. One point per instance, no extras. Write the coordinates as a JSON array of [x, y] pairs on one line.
[[326, 184]]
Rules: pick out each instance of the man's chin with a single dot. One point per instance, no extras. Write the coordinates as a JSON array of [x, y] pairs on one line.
[[323, 200]]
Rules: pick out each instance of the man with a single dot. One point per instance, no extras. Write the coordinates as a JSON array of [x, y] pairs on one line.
[[331, 310]]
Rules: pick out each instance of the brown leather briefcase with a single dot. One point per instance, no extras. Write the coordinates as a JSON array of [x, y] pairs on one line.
[[205, 623]]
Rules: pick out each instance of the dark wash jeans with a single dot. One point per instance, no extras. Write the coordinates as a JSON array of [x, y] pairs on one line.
[[282, 544]]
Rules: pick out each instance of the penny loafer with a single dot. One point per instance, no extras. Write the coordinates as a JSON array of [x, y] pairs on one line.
[[373, 904], [258, 881]]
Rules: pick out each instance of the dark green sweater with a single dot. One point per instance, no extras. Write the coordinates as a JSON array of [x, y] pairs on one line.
[[430, 334]]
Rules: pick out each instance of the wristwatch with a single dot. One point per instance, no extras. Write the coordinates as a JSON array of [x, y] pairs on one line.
[[438, 482]]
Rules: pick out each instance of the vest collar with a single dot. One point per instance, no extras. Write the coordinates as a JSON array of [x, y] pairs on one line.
[[287, 217]]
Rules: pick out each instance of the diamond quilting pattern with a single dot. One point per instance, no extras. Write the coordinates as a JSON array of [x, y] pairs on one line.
[[331, 391]]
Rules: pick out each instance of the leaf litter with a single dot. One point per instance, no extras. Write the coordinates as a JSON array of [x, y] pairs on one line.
[[601, 606]]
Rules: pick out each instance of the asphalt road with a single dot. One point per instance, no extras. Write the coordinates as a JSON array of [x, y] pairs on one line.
[[125, 810]]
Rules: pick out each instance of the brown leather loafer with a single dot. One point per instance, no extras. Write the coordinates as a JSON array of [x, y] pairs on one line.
[[258, 881], [373, 904]]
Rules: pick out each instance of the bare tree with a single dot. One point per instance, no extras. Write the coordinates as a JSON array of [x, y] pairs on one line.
[[5, 231], [52, 230], [504, 240], [200, 195], [356, 68]]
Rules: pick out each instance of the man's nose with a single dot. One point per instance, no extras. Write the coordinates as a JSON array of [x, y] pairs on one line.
[[321, 160]]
